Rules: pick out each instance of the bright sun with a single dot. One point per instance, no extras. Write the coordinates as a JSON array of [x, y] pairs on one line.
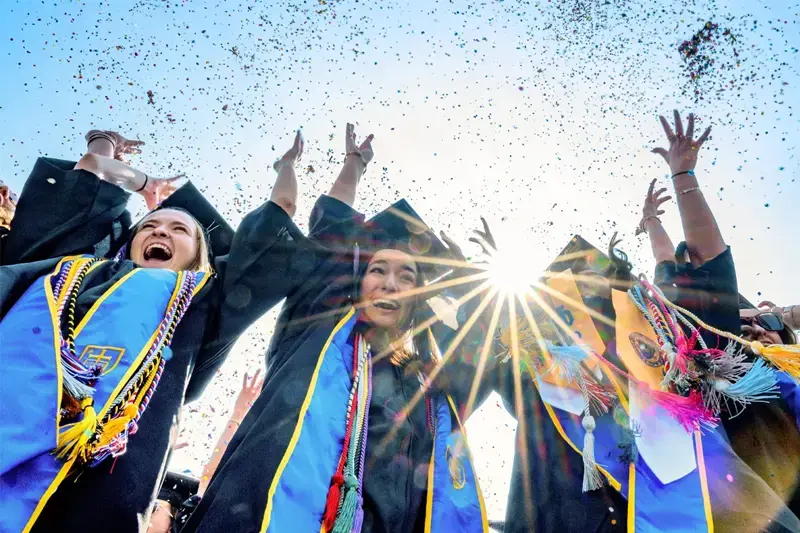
[[513, 270]]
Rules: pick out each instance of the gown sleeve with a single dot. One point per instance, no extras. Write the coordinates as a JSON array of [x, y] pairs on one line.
[[62, 211], [460, 372], [269, 260]]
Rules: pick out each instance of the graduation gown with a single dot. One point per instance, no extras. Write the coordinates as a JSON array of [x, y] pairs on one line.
[[398, 451], [546, 488], [64, 212], [248, 281]]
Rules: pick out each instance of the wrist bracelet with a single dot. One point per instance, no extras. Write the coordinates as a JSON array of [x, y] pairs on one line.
[[237, 422], [144, 185], [360, 156], [687, 191], [687, 172], [102, 135], [641, 229]]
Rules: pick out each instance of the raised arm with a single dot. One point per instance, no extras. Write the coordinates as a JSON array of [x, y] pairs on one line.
[[269, 260], [663, 249], [284, 192], [703, 237], [355, 165], [251, 388]]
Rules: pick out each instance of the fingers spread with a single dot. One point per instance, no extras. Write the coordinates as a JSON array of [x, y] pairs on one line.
[[660, 151], [667, 129], [678, 124], [704, 136]]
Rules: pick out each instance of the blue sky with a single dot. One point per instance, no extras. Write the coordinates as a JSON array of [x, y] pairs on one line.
[[533, 114]]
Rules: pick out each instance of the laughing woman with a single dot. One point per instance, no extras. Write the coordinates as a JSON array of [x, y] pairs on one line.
[[351, 432], [99, 355]]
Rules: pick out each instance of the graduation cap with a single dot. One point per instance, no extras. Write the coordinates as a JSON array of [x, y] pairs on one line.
[[400, 227], [188, 198], [191, 200]]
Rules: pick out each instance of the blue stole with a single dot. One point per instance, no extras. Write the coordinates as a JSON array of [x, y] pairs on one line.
[[116, 333], [682, 506], [790, 391], [297, 494]]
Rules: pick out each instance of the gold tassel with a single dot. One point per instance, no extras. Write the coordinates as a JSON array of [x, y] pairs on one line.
[[784, 357], [116, 425], [72, 442]]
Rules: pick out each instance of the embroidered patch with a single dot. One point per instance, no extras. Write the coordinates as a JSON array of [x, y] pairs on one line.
[[648, 350], [457, 473], [106, 357]]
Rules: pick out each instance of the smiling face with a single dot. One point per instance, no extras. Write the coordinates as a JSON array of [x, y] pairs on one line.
[[167, 239], [390, 275]]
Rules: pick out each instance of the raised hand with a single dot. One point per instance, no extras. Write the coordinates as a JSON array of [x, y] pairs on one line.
[[485, 239], [251, 388], [683, 148], [652, 202], [364, 150], [156, 190], [293, 154], [122, 146]]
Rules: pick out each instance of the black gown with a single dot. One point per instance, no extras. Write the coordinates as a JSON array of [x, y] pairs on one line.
[[547, 496], [395, 479], [84, 215], [248, 282]]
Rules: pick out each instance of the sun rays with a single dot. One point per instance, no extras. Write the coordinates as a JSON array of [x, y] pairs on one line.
[[505, 297]]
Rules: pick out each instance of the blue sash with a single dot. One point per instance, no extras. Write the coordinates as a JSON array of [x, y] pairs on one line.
[[32, 375], [679, 507], [789, 391], [297, 494]]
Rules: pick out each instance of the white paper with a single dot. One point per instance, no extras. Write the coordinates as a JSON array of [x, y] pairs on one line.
[[446, 309], [564, 398], [666, 447]]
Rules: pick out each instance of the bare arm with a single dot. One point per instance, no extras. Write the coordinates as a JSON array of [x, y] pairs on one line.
[[355, 164], [663, 249], [251, 388], [703, 236], [284, 192]]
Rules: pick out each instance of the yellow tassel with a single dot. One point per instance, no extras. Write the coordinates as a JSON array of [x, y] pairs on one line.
[[115, 426], [784, 357], [72, 442]]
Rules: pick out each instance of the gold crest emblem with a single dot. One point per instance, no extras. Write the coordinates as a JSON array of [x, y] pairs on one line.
[[648, 351], [457, 473], [106, 357]]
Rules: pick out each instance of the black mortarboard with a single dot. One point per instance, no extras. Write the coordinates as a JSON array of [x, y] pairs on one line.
[[191, 200], [400, 227]]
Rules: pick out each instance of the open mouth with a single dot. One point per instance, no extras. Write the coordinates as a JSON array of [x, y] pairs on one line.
[[386, 305], [157, 252]]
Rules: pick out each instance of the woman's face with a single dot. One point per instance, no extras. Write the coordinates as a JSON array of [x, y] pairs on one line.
[[166, 239], [752, 331], [390, 275]]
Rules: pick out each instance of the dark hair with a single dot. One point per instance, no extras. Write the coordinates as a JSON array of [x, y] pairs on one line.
[[619, 271]]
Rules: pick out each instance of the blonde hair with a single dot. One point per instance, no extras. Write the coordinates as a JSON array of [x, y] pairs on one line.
[[201, 261]]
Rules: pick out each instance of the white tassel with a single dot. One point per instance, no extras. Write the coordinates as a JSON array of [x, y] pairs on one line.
[[592, 478]]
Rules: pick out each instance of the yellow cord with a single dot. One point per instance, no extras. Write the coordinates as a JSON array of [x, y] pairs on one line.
[[785, 357]]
